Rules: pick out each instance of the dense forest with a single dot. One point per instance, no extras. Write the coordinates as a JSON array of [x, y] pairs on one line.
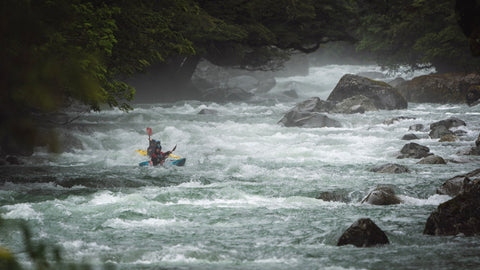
[[57, 52]]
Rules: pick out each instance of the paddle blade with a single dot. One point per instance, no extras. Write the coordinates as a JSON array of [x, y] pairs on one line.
[[149, 131]]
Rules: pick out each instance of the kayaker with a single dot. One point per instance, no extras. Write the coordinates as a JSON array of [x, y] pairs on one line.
[[152, 146], [158, 157]]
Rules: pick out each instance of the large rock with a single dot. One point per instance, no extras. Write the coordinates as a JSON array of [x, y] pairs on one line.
[[314, 104], [390, 168], [442, 128], [363, 233], [355, 104], [440, 88], [449, 123], [432, 159], [308, 120], [384, 96], [440, 131], [460, 215], [454, 186], [414, 150], [382, 196], [307, 114]]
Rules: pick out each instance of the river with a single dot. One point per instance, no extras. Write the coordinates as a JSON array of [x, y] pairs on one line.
[[247, 196]]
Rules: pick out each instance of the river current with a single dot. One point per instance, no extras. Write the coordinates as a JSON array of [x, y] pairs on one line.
[[247, 196]]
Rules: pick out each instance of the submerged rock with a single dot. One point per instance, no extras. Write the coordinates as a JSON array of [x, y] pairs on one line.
[[458, 215], [390, 168], [363, 233], [384, 96], [382, 196]]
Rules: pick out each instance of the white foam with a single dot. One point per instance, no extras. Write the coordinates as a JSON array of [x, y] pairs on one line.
[[432, 200], [146, 224], [22, 211]]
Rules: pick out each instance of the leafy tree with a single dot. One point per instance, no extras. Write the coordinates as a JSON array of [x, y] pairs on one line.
[[417, 33]]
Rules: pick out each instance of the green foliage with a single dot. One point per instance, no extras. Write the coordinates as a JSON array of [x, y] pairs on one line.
[[40, 255], [415, 33]]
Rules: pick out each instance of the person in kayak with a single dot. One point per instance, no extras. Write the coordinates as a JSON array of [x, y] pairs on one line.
[[152, 146], [158, 157]]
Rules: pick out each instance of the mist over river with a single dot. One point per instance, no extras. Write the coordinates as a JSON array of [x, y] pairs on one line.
[[247, 196]]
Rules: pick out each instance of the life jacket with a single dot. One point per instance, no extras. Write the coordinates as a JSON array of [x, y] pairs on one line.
[[152, 146], [158, 158]]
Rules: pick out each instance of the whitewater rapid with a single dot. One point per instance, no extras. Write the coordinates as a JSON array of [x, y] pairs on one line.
[[247, 196]]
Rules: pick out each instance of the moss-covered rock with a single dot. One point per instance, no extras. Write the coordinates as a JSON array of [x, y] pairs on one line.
[[384, 96], [439, 88]]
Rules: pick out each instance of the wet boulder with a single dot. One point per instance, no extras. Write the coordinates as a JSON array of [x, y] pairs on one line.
[[384, 96], [439, 88], [432, 159], [355, 104], [314, 104], [308, 114], [396, 82], [475, 150], [363, 233], [460, 215], [448, 138], [414, 150], [454, 186], [382, 196], [409, 137], [440, 131], [448, 123], [390, 168], [308, 120]]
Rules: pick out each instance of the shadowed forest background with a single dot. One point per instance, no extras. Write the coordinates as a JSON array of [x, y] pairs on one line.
[[56, 53]]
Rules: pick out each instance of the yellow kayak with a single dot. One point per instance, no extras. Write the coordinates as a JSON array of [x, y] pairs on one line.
[[144, 153]]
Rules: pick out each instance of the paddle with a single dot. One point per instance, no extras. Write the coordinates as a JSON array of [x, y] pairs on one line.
[[149, 132], [168, 154]]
